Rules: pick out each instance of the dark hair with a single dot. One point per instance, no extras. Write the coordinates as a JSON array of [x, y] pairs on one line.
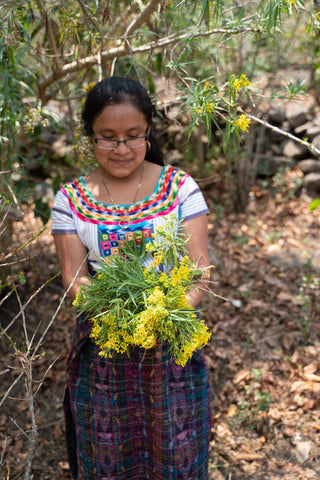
[[116, 90]]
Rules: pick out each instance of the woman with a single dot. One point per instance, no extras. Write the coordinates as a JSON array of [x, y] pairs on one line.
[[142, 417]]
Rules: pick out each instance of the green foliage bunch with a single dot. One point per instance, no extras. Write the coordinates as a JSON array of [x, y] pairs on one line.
[[213, 104], [133, 305], [228, 100]]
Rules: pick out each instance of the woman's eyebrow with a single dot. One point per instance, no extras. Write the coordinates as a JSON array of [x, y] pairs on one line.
[[110, 130]]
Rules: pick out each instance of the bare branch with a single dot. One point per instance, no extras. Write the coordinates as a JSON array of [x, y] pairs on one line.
[[108, 55], [143, 17], [310, 146], [3, 332], [46, 21], [6, 297], [23, 320], [45, 374], [89, 17], [18, 427], [4, 446], [34, 430], [121, 20], [36, 348], [5, 396]]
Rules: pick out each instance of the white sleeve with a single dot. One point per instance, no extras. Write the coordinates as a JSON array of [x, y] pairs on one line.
[[192, 202], [61, 216]]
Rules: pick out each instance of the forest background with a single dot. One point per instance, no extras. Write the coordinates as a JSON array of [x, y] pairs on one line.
[[214, 70]]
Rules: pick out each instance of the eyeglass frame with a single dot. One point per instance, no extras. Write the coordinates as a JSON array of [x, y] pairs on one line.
[[145, 136]]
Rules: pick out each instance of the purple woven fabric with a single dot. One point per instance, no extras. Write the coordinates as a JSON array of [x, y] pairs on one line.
[[136, 418]]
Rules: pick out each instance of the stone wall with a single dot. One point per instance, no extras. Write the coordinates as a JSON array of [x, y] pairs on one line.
[[275, 151], [301, 119]]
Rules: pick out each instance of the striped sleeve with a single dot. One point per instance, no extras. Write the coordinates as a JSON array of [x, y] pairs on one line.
[[62, 219], [192, 201]]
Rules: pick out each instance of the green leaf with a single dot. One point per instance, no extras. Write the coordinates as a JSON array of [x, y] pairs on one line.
[[314, 204]]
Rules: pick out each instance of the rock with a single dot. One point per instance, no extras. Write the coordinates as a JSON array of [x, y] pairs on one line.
[[43, 191], [275, 137], [316, 142], [311, 185], [276, 150], [176, 137], [292, 149], [309, 165], [174, 112], [276, 114], [268, 165], [61, 147], [174, 157], [286, 126], [313, 132], [316, 120], [48, 137], [303, 451], [303, 129], [296, 114]]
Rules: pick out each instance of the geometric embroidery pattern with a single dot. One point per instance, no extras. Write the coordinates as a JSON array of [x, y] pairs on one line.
[[110, 242]]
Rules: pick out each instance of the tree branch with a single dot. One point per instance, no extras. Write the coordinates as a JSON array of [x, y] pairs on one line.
[[311, 147], [89, 17], [51, 38], [121, 20], [122, 51], [142, 18]]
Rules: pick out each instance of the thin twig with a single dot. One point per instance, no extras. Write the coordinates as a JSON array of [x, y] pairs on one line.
[[5, 396], [18, 426], [45, 374], [34, 431], [47, 22], [6, 297], [36, 348], [27, 303], [23, 320], [4, 446], [89, 16]]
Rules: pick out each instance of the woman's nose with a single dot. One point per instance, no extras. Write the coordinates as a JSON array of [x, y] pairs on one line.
[[122, 145]]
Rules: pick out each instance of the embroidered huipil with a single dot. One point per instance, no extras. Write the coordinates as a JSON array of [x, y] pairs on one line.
[[138, 417]]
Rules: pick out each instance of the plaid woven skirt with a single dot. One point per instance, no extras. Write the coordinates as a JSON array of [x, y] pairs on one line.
[[138, 417]]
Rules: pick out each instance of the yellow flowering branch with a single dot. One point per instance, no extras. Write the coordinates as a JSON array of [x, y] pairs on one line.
[[140, 301]]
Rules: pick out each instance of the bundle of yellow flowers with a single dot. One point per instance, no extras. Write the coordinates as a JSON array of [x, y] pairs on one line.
[[130, 304]]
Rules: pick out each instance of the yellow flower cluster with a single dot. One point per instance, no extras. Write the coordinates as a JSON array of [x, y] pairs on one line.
[[89, 87], [210, 107], [155, 310], [243, 122], [238, 83], [207, 85], [108, 336], [166, 316], [207, 107], [181, 274], [199, 340], [158, 258]]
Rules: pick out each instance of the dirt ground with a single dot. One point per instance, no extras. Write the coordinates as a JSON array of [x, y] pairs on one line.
[[263, 358]]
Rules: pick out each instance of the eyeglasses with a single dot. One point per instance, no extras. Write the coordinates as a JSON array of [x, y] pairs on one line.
[[113, 143]]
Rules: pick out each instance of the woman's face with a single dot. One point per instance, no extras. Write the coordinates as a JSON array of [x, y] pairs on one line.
[[121, 122]]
